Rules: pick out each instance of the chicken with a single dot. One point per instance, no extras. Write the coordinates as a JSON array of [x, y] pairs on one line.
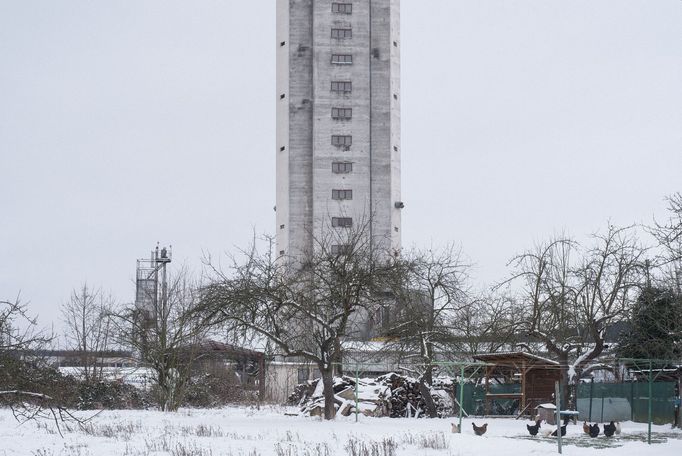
[[455, 428], [618, 429], [563, 431], [533, 430], [609, 429], [586, 427], [594, 430], [480, 430]]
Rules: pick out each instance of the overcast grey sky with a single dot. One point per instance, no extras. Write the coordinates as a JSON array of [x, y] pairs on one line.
[[127, 122]]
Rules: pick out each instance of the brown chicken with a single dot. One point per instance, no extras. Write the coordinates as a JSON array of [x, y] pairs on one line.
[[586, 427], [480, 430]]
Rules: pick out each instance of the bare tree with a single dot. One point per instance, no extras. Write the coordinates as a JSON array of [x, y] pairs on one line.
[[669, 236], [430, 296], [18, 330], [572, 294], [87, 316], [167, 337], [488, 323], [303, 305], [19, 335]]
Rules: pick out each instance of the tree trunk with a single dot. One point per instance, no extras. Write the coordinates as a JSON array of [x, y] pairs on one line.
[[328, 382], [425, 390], [338, 357], [566, 385]]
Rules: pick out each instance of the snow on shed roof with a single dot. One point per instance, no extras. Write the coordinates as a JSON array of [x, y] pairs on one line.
[[503, 357]]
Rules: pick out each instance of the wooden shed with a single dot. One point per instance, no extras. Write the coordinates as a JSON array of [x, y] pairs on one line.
[[536, 376]]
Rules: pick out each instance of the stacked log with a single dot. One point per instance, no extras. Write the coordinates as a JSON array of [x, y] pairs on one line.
[[391, 395], [301, 393]]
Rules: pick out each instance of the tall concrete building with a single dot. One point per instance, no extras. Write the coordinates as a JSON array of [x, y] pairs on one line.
[[338, 121]]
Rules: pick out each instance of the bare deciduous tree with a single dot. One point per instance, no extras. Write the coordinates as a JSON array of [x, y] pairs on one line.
[[87, 316], [18, 336], [303, 305], [430, 295], [167, 337], [669, 237], [487, 324], [572, 294], [18, 330]]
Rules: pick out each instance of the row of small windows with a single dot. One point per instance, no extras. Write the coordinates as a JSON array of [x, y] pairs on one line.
[[342, 140], [342, 113], [342, 222], [342, 194], [344, 8], [342, 86], [340, 167], [342, 33], [342, 59]]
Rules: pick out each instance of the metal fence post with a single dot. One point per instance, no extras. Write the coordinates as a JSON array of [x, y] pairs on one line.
[[461, 396], [591, 396], [651, 381]]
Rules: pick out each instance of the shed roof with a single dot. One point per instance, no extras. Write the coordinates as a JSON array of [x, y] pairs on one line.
[[514, 357]]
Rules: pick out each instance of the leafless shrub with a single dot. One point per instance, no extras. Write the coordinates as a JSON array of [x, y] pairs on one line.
[[291, 437], [385, 447], [130, 451], [435, 441], [75, 450], [158, 444], [43, 452], [190, 449], [309, 449], [202, 430], [118, 431]]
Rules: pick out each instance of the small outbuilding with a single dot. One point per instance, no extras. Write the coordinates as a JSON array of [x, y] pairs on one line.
[[534, 374]]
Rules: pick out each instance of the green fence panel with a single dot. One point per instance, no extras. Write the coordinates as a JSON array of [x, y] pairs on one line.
[[626, 401]]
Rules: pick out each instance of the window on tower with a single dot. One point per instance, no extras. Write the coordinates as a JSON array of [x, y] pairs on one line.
[[342, 222], [342, 194], [342, 86], [342, 33], [342, 167], [342, 113], [341, 249], [342, 140], [344, 8], [342, 59]]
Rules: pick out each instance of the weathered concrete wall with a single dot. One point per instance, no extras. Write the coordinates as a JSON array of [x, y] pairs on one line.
[[305, 126]]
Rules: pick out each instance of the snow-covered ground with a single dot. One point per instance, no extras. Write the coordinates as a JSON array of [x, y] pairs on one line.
[[250, 432]]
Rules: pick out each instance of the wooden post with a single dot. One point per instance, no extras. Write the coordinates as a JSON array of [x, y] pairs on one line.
[[679, 404], [557, 396], [261, 378], [523, 385], [357, 380], [487, 390]]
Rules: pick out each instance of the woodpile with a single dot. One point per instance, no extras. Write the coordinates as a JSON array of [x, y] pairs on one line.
[[391, 395], [407, 400]]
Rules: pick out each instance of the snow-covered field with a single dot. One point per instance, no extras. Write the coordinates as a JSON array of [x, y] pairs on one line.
[[250, 432]]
